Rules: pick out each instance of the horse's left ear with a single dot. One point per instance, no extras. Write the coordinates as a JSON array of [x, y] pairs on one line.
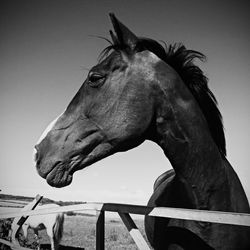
[[124, 36]]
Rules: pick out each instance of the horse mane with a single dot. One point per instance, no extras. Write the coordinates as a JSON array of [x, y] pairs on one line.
[[182, 61]]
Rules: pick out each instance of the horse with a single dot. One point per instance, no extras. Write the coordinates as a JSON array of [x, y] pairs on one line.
[[53, 223], [140, 90]]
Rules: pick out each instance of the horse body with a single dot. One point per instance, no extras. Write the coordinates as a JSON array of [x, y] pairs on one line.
[[171, 191], [53, 223], [141, 91]]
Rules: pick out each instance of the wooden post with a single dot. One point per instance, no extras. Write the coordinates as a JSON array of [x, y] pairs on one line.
[[134, 231], [100, 231], [31, 206]]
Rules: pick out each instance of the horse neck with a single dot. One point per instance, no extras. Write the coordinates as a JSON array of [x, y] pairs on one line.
[[184, 136]]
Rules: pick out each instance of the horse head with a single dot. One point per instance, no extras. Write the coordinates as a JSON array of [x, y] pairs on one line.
[[112, 111]]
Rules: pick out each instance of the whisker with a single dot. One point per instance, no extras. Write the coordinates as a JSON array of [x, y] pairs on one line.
[[103, 38]]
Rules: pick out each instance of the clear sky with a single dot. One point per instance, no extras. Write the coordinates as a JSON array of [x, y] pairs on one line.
[[45, 48]]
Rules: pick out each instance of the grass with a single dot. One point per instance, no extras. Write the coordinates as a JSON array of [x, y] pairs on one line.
[[80, 231]]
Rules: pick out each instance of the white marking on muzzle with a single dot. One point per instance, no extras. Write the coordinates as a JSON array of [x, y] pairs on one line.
[[34, 156], [44, 134], [48, 129]]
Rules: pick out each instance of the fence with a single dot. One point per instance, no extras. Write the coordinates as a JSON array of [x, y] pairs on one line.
[[124, 211]]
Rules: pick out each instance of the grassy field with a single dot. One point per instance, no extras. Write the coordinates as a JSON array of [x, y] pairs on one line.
[[80, 231]]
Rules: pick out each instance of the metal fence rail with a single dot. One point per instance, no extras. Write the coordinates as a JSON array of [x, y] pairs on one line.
[[124, 210]]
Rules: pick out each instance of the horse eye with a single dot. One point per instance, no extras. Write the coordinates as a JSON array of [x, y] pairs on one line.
[[95, 79]]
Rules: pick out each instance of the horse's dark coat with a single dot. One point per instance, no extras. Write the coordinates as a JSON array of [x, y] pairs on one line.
[[138, 91]]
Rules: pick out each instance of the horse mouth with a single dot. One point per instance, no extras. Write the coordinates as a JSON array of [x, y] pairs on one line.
[[59, 176], [62, 172]]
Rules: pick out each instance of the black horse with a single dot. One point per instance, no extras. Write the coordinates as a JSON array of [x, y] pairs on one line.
[[140, 91]]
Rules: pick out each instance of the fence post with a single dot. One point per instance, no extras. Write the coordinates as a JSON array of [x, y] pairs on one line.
[[134, 231], [32, 205], [100, 232]]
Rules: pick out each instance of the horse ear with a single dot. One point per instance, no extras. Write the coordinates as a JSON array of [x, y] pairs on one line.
[[123, 36], [113, 37]]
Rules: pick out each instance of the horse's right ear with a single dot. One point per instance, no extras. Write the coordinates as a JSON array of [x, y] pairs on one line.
[[124, 37]]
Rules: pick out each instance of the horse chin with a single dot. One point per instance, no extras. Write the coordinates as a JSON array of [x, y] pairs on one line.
[[59, 177]]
